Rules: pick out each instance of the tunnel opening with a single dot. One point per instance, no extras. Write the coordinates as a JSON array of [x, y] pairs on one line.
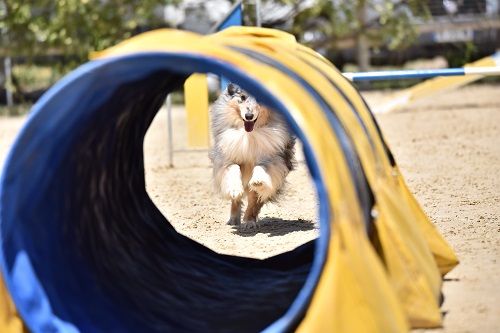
[[135, 234], [186, 195], [99, 253]]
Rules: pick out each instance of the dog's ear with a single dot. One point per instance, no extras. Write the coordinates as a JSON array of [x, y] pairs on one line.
[[232, 89]]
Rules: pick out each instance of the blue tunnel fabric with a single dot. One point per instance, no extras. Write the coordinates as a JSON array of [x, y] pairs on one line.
[[85, 249]]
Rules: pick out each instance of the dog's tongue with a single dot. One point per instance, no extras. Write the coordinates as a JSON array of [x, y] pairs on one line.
[[249, 125]]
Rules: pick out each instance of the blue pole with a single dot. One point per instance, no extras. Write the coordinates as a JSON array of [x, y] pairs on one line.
[[404, 74], [234, 18]]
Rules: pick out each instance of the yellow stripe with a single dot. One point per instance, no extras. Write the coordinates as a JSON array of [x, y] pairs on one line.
[[435, 86], [442, 84], [10, 321], [196, 101]]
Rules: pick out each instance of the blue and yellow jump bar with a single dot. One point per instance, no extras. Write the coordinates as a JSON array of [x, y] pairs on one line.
[[421, 73]]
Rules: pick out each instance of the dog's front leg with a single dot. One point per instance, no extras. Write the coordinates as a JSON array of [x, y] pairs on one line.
[[231, 184], [251, 217], [232, 189], [235, 217], [267, 178], [261, 183]]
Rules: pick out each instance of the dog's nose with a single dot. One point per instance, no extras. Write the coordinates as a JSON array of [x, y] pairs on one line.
[[248, 116]]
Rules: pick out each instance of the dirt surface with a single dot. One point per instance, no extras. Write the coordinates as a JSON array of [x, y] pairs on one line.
[[448, 149]]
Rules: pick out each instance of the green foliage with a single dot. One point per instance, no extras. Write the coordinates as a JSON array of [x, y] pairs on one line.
[[32, 77], [72, 27], [462, 54], [384, 22], [16, 110]]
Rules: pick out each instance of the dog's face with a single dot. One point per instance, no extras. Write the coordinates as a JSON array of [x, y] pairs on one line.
[[246, 108]]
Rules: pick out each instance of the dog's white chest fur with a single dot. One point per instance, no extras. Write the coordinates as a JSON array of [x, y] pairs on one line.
[[240, 146]]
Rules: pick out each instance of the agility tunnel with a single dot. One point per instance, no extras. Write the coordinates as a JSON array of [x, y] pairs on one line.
[[84, 249]]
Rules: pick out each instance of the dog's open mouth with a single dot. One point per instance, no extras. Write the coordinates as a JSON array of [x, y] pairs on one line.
[[249, 125]]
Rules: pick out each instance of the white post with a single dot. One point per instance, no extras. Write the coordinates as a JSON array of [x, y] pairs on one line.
[[258, 21], [170, 131], [8, 81]]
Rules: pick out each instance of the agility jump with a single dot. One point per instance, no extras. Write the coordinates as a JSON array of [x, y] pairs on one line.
[[84, 249]]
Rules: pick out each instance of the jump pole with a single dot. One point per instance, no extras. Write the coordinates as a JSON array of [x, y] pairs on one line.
[[170, 131], [421, 73]]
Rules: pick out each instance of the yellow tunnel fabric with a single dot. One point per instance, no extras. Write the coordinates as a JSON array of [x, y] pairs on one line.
[[403, 274]]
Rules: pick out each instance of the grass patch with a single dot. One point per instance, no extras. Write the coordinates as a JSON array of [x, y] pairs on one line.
[[33, 77], [16, 110]]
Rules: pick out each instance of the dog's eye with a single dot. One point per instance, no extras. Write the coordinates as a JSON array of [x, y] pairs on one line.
[[243, 98]]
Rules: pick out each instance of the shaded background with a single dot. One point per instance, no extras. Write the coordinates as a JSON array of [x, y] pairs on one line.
[[44, 39]]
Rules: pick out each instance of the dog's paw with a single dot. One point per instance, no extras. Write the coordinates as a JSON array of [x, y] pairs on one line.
[[234, 220], [260, 178], [249, 224], [235, 191], [261, 183]]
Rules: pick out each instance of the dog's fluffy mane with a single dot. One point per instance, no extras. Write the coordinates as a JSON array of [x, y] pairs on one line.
[[270, 138]]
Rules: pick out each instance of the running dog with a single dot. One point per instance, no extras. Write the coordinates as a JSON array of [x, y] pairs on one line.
[[253, 152]]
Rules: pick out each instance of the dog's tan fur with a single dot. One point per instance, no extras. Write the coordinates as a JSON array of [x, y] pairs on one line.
[[251, 163]]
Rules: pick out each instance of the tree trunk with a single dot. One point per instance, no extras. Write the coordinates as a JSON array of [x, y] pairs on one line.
[[363, 53], [8, 82], [362, 44]]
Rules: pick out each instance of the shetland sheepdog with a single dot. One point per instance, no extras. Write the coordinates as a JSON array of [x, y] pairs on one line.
[[253, 152]]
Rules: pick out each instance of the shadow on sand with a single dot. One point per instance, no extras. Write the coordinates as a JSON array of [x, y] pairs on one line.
[[276, 227]]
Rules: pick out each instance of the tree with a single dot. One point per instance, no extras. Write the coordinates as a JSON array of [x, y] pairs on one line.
[[73, 27], [67, 30], [330, 25]]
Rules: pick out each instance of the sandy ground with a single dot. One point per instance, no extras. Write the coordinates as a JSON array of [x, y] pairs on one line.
[[449, 151], [195, 210]]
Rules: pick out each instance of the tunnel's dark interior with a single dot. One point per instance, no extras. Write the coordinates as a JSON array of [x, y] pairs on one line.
[[144, 272]]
